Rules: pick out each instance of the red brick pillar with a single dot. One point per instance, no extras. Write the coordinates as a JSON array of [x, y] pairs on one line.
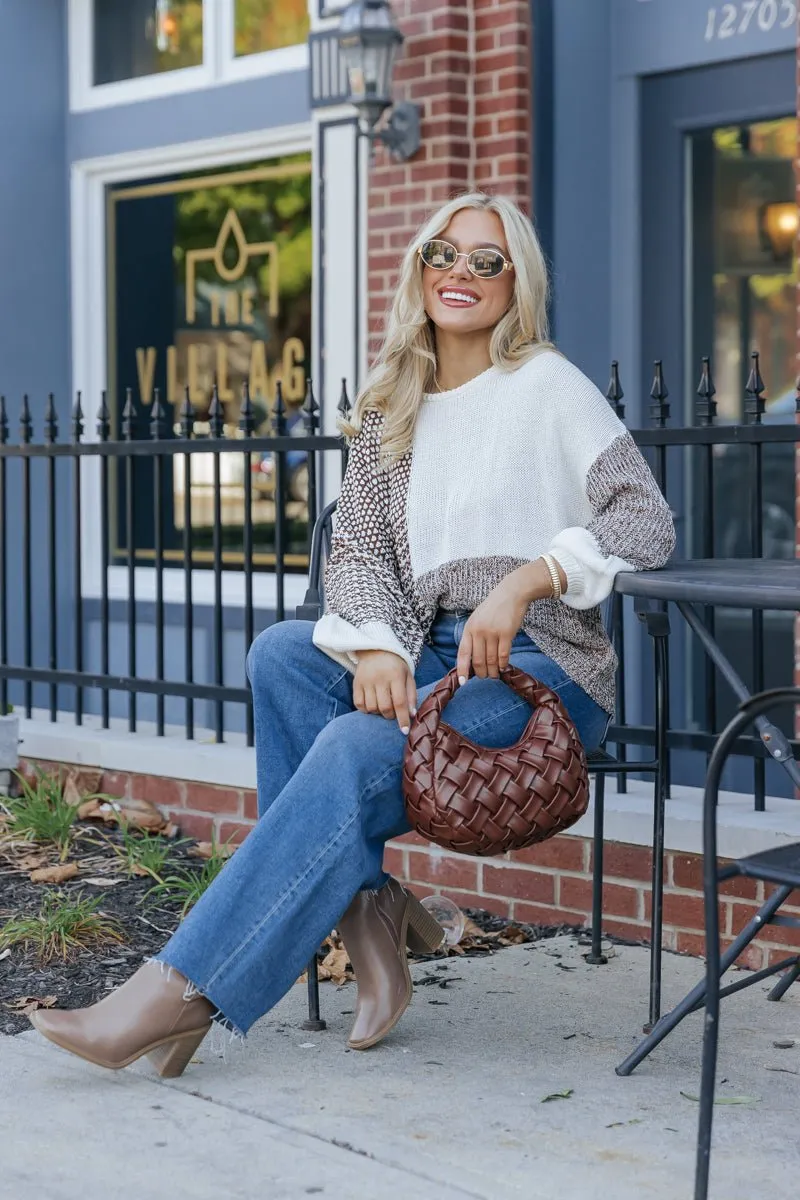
[[468, 65]]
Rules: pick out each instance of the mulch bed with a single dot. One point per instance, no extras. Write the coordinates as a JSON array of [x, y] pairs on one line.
[[146, 923]]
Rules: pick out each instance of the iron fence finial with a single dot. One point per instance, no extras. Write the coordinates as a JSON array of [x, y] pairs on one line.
[[754, 391], [157, 417], [103, 418], [614, 392], [216, 416], [279, 410], [50, 420], [310, 409], [247, 419], [77, 419], [659, 409], [128, 416], [187, 415], [706, 405], [343, 407], [25, 422]]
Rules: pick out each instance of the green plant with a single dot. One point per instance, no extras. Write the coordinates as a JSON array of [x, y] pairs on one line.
[[63, 926], [40, 813], [188, 884], [144, 853]]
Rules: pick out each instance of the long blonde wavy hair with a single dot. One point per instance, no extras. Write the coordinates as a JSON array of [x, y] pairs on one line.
[[405, 367]]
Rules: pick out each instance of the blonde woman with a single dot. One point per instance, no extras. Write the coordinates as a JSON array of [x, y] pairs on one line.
[[490, 498]]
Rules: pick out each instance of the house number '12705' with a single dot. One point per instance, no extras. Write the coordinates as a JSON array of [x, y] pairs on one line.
[[730, 20]]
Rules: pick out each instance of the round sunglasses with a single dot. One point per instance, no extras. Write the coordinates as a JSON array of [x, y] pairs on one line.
[[485, 264]]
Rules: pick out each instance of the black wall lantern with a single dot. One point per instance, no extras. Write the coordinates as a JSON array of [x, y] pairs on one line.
[[368, 43]]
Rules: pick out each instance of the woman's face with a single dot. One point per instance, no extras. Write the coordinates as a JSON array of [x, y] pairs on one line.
[[456, 300]]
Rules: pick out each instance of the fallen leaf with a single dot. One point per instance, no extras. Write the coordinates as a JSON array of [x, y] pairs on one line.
[[138, 869], [565, 1095], [725, 1099], [781, 1070], [6, 953], [81, 782], [336, 966], [58, 874], [103, 880], [25, 1005], [206, 850], [136, 814], [784, 1043], [29, 862]]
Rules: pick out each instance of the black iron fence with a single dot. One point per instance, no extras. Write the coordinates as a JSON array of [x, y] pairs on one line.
[[163, 500]]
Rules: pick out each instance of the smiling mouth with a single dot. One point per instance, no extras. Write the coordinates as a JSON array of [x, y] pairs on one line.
[[455, 298]]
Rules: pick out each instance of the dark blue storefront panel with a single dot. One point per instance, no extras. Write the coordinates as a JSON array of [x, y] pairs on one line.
[[34, 291], [675, 106]]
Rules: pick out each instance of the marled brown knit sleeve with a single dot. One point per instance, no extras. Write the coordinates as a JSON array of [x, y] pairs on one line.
[[632, 520], [362, 582]]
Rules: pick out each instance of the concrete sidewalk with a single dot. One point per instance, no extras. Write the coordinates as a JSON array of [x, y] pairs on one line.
[[449, 1107]]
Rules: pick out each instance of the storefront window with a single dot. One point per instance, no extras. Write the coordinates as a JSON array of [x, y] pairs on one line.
[[210, 281], [133, 38], [269, 25], [755, 275]]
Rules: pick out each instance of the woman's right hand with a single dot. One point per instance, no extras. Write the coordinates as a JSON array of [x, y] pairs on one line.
[[384, 684]]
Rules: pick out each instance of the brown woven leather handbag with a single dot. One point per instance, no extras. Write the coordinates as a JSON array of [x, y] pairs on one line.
[[480, 800]]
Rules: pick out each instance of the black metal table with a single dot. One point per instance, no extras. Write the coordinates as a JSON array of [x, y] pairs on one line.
[[755, 584]]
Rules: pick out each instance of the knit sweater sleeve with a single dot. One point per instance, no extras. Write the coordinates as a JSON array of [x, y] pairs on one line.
[[629, 525], [367, 608]]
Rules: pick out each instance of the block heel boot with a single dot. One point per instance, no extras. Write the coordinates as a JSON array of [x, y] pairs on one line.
[[375, 930], [156, 1013]]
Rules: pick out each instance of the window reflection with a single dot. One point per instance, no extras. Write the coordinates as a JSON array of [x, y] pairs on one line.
[[133, 38], [755, 268], [269, 25]]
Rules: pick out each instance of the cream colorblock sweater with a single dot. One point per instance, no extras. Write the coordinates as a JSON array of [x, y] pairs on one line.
[[505, 468]]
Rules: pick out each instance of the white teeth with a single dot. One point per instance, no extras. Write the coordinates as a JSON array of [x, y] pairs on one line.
[[458, 296]]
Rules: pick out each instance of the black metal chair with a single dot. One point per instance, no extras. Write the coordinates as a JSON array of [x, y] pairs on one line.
[[779, 866], [601, 764]]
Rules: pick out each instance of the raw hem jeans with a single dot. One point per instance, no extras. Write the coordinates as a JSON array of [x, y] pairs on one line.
[[329, 797]]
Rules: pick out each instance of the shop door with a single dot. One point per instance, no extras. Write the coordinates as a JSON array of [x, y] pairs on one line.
[[719, 224]]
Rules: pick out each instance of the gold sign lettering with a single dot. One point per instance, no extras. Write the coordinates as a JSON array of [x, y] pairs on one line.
[[146, 369], [288, 368], [231, 237]]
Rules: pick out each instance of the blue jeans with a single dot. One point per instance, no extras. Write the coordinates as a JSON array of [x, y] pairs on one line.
[[329, 797]]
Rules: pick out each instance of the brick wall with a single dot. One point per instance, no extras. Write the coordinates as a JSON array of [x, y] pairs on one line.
[[548, 884], [468, 65]]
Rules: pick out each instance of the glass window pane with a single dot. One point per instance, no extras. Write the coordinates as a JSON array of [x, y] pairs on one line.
[[210, 280], [269, 25], [133, 38]]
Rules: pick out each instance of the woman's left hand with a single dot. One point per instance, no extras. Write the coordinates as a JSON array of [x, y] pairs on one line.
[[491, 628]]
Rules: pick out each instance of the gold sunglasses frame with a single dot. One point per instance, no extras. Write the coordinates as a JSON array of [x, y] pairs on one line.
[[507, 264]]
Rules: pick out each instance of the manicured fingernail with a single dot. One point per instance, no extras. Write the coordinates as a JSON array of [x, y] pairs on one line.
[[462, 679], [413, 712], [404, 729]]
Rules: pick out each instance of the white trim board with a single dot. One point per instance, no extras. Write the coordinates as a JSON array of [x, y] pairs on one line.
[[628, 817], [89, 179]]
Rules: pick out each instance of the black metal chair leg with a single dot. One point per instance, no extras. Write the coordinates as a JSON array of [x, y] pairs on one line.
[[659, 806], [785, 982], [595, 955], [315, 1024], [692, 1000], [707, 1082]]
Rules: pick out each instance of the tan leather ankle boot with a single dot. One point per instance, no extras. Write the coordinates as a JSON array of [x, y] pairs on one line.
[[150, 1014], [375, 930]]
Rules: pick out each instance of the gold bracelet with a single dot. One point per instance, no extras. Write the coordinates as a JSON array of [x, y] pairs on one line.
[[549, 562]]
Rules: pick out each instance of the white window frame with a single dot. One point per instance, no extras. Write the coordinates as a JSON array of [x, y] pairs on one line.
[[88, 183], [220, 64]]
